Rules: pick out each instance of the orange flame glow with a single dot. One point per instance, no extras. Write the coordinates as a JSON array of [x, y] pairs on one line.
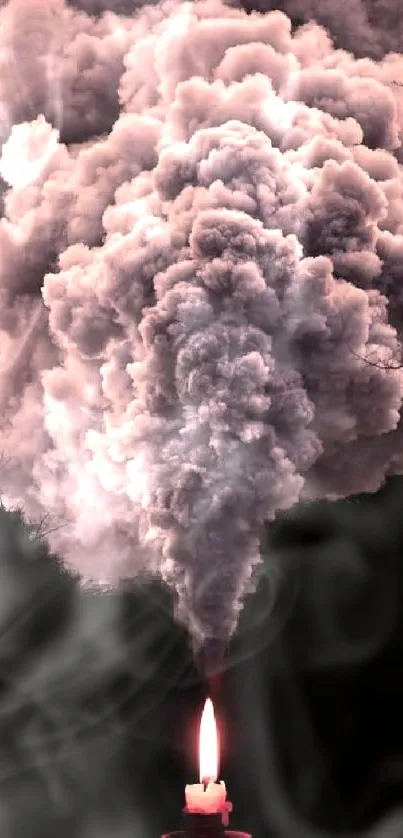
[[208, 745]]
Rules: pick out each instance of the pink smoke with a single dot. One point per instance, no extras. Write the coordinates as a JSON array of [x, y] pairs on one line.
[[201, 250]]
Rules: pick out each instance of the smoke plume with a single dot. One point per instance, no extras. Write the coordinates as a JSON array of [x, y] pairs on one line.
[[201, 260]]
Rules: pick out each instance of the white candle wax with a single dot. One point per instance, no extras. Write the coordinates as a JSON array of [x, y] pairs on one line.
[[208, 801]]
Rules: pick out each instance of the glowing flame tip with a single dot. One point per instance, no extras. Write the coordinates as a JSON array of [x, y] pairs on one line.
[[208, 744]]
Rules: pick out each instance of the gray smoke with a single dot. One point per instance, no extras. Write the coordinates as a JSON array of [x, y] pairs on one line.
[[200, 274]]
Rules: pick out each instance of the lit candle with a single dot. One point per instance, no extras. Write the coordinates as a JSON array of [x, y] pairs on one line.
[[208, 797]]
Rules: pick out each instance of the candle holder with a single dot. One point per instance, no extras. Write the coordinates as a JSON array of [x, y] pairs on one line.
[[204, 826], [229, 833]]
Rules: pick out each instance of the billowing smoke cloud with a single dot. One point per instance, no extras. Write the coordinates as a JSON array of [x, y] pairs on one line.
[[200, 273]]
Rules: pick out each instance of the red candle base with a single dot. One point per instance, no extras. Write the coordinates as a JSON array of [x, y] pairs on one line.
[[228, 833], [198, 825], [204, 826]]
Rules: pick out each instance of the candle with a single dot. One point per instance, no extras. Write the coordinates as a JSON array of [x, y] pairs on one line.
[[208, 797], [207, 808]]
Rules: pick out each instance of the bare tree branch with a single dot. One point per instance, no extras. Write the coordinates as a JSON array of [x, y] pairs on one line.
[[387, 366]]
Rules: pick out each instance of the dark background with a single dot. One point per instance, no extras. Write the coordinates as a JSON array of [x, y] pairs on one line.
[[100, 702]]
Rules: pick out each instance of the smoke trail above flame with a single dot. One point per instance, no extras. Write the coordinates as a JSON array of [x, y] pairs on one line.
[[201, 249]]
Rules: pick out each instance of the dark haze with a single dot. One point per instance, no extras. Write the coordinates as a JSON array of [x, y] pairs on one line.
[[200, 273]]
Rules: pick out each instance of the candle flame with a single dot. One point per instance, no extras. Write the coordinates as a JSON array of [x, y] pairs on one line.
[[208, 745]]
